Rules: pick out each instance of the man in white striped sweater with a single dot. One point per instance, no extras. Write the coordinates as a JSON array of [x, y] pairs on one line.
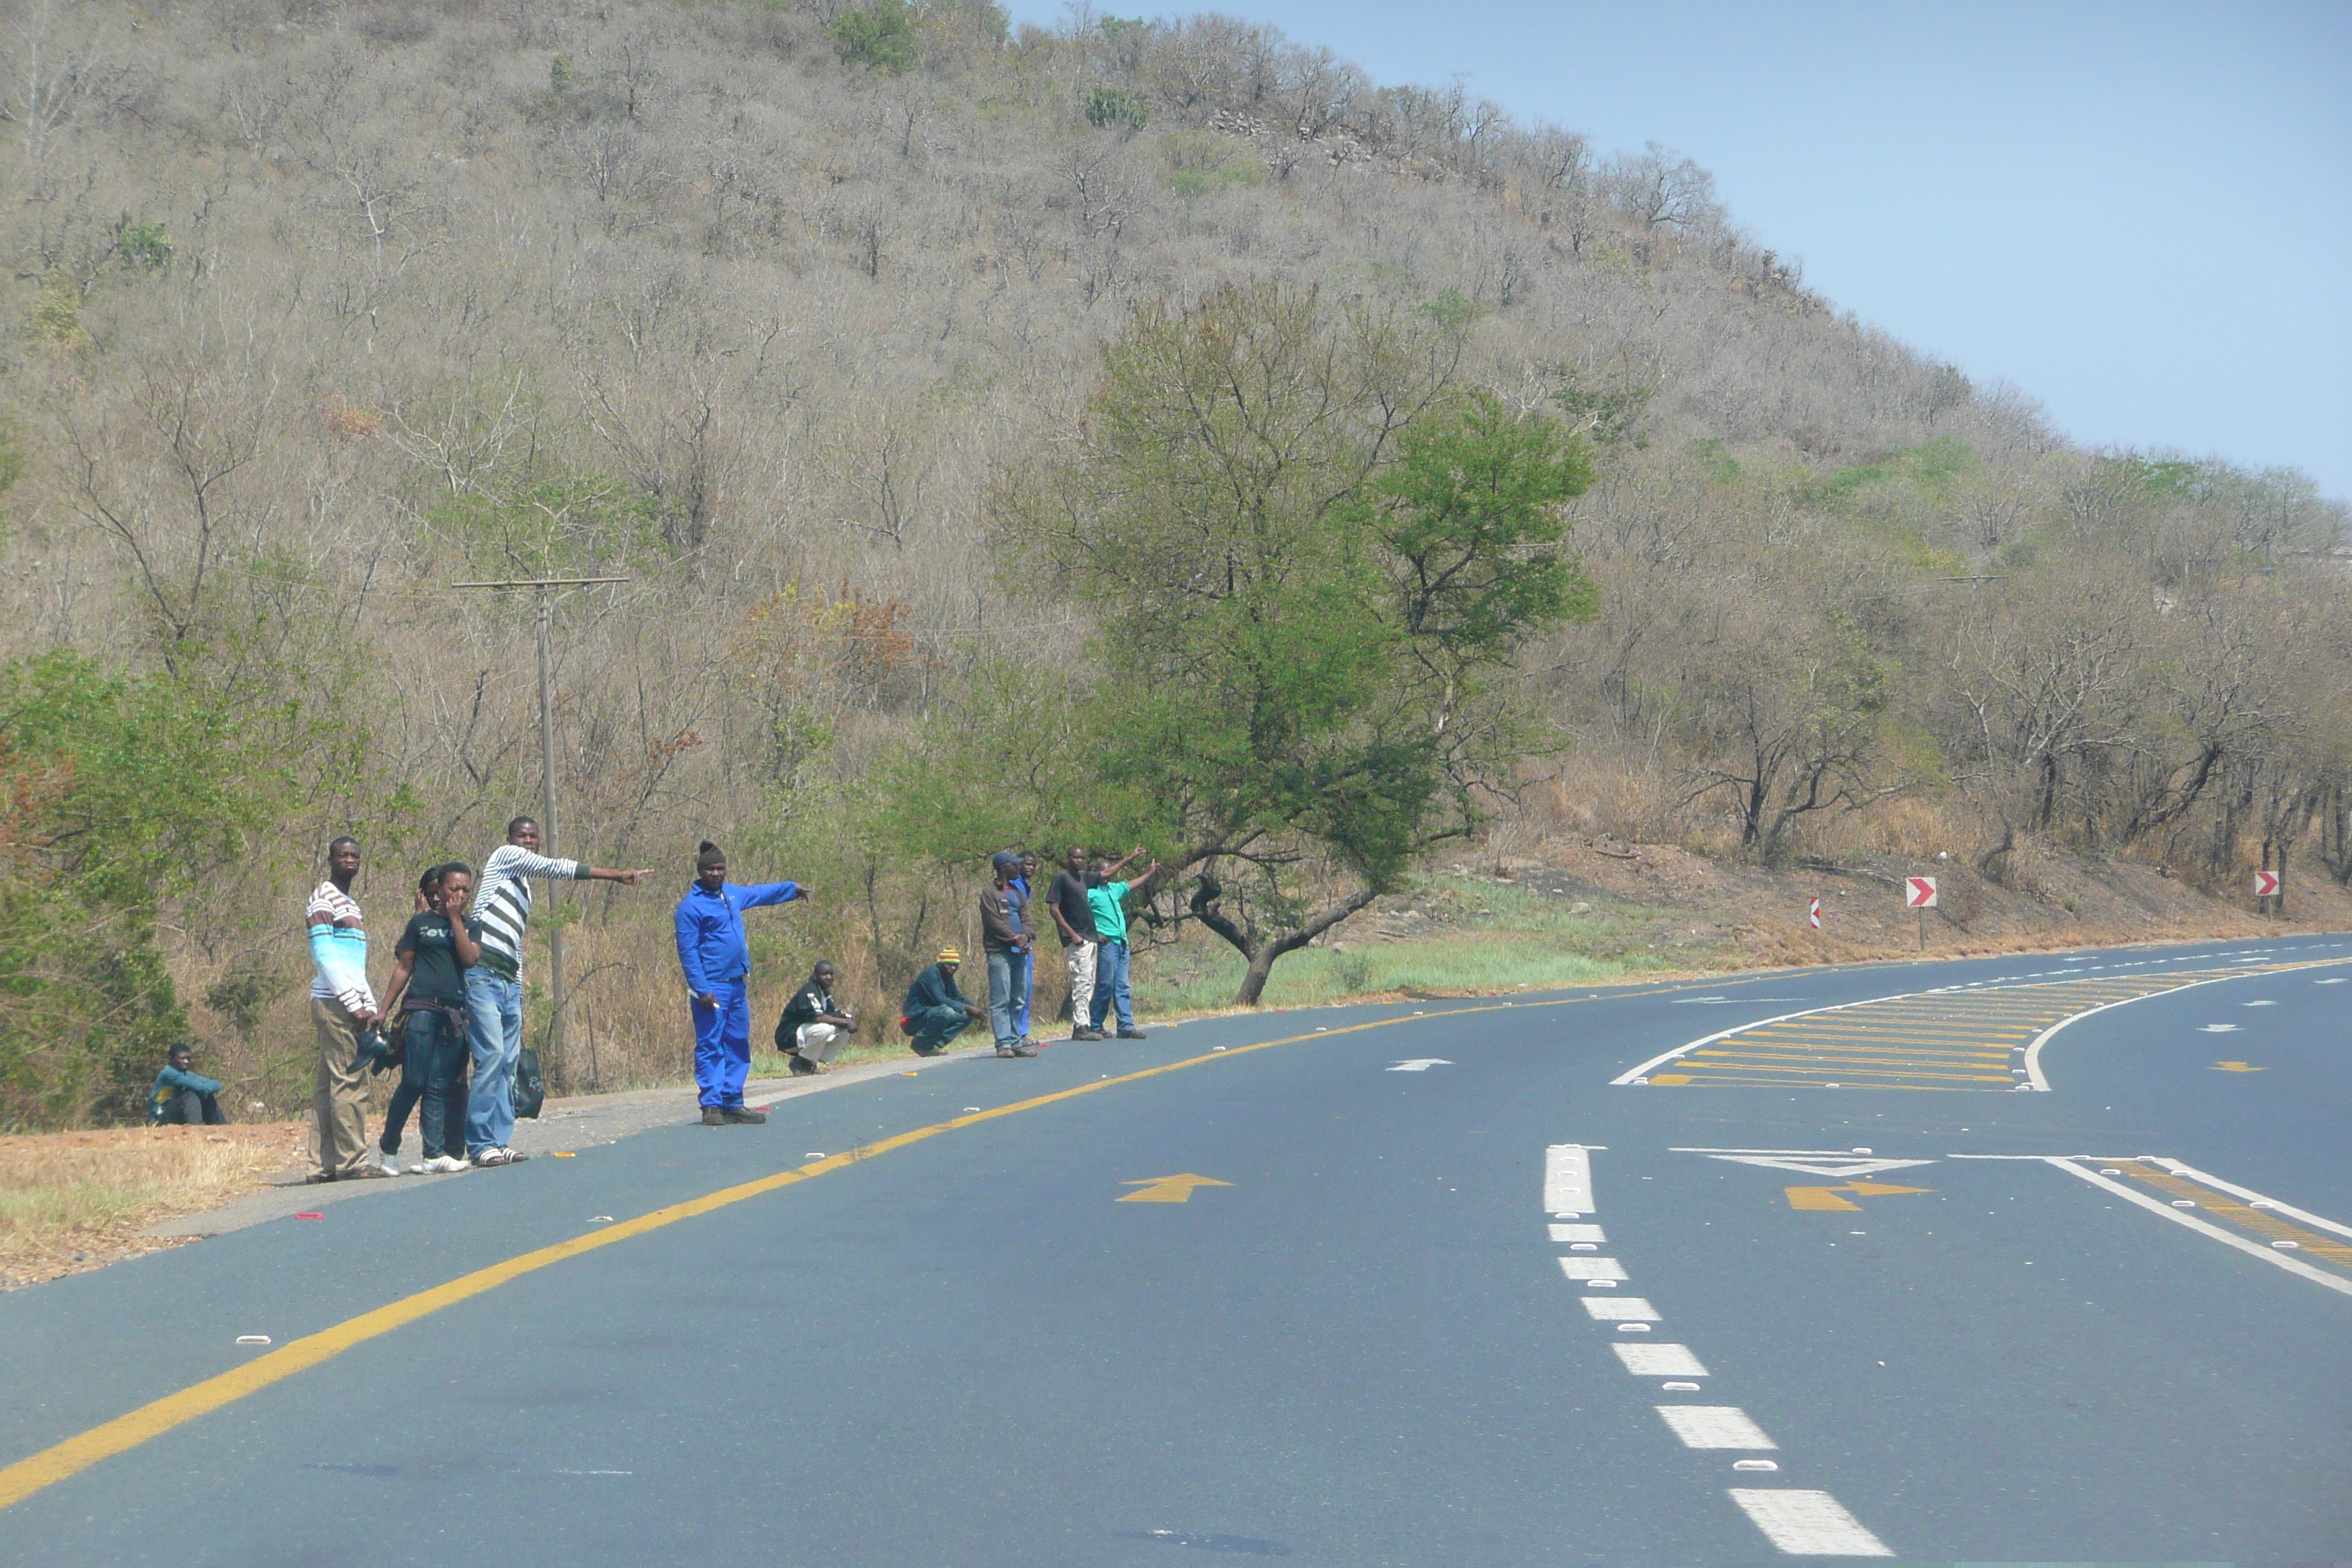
[[342, 1007], [500, 912]]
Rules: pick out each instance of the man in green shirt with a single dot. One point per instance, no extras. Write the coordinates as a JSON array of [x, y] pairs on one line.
[[184, 1097], [1108, 903]]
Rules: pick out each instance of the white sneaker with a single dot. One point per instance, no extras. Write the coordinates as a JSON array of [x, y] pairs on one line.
[[443, 1164], [391, 1164]]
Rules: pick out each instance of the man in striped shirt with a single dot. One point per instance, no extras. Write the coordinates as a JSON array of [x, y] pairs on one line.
[[341, 1008], [500, 912]]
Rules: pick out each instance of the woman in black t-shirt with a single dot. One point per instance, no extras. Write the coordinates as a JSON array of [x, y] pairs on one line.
[[427, 994]]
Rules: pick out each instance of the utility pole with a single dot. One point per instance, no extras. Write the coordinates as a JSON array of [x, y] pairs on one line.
[[544, 589]]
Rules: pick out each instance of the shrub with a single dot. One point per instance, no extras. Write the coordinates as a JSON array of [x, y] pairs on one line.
[[1109, 108], [881, 35]]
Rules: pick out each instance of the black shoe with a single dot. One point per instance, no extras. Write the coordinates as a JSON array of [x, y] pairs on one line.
[[742, 1116], [1133, 1035], [803, 1067], [713, 1117], [1019, 1049]]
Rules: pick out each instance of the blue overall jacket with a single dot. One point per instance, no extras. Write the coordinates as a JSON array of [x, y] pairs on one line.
[[712, 947]]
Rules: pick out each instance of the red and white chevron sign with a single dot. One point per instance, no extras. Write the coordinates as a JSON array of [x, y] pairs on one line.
[[2265, 884], [1813, 914], [1920, 893]]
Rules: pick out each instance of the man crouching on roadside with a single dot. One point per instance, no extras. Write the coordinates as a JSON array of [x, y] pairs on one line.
[[815, 1027]]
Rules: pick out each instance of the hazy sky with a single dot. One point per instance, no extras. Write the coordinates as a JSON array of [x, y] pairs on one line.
[[2140, 214]]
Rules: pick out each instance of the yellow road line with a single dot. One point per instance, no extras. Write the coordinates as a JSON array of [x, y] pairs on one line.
[[1929, 1040], [70, 1458], [2244, 1215], [1722, 1058]]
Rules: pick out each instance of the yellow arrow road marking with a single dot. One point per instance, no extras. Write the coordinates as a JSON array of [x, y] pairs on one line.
[[1168, 1189], [2234, 1066], [1827, 1197]]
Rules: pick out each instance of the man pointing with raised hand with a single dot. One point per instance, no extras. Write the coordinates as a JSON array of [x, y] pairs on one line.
[[716, 957], [501, 913]]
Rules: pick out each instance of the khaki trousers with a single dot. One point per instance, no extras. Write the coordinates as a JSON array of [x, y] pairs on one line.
[[339, 1142], [1081, 957]]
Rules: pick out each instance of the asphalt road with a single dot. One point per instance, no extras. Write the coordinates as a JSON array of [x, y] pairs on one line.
[[1925, 1311]]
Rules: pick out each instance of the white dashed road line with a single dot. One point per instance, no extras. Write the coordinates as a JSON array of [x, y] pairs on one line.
[[1714, 1426], [1568, 1180], [1797, 1522], [1659, 1361], [1808, 1523]]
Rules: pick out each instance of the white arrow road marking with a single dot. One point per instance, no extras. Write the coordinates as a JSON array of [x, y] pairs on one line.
[[1807, 1523], [1420, 1064], [1822, 1167], [1700, 1002], [1568, 1180]]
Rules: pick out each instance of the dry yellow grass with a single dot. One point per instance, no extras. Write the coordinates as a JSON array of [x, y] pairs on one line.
[[70, 1201]]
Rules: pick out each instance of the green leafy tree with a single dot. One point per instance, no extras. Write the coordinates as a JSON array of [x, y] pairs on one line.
[[1115, 108], [1310, 551], [882, 35], [118, 796], [546, 527]]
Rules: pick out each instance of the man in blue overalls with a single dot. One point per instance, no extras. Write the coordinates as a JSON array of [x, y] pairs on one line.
[[717, 959]]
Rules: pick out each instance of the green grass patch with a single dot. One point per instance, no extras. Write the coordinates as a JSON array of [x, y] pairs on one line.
[[1485, 938]]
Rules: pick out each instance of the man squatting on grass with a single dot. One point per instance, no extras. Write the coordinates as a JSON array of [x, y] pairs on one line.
[[342, 1009], [935, 1011], [717, 959], [184, 1097], [494, 986], [427, 994], [813, 1025]]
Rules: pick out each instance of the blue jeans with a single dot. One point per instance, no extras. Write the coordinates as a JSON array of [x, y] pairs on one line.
[[494, 1030], [722, 1045], [1024, 986], [433, 1075], [929, 1031], [1004, 999], [1110, 985]]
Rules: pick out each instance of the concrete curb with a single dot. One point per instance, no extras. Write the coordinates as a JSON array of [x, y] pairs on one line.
[[581, 1121]]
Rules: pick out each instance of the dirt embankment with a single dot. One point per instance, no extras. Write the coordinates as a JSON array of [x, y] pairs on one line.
[[1729, 914], [70, 1201]]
